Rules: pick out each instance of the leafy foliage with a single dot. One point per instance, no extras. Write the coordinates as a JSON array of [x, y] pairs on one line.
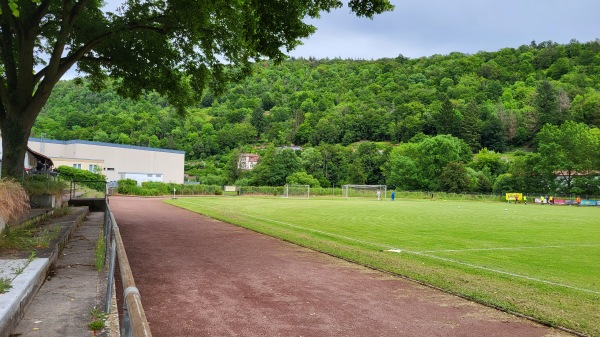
[[39, 184], [348, 115], [174, 48], [87, 178]]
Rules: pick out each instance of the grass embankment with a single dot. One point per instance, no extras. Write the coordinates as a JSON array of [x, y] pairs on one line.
[[539, 261], [31, 237]]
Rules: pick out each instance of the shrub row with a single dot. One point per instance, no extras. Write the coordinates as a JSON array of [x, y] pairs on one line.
[[130, 187], [86, 178], [150, 188]]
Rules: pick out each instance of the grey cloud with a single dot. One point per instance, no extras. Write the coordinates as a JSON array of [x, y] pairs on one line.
[[424, 28]]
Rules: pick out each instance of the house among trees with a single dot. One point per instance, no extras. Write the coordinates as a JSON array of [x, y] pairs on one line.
[[247, 161]]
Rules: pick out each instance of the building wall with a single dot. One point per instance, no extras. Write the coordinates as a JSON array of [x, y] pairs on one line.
[[84, 164], [115, 160], [142, 177], [247, 161]]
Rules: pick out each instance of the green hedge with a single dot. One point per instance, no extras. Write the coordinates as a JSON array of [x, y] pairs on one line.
[[152, 188], [39, 184], [78, 175]]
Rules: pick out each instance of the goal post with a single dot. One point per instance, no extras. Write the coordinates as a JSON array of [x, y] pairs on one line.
[[378, 192], [296, 191]]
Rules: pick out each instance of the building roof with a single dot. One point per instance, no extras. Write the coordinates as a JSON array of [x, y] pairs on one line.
[[41, 158], [88, 142]]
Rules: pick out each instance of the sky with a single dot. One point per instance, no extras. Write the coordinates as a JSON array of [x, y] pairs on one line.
[[419, 28]]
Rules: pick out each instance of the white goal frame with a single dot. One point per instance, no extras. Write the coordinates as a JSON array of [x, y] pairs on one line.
[[377, 191], [296, 191]]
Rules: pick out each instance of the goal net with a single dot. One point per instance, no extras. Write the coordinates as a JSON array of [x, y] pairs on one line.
[[296, 191], [378, 192]]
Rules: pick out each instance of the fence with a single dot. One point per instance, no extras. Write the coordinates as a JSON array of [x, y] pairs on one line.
[[157, 188], [134, 322]]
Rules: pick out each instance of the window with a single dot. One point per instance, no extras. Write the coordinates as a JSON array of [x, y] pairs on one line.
[[92, 167], [110, 169], [77, 166]]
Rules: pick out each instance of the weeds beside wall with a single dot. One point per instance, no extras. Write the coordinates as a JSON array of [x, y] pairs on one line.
[[14, 202]]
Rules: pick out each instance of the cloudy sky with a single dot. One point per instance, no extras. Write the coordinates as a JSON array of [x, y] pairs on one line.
[[426, 27]]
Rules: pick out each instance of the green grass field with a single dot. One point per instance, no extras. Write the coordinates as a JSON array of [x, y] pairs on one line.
[[539, 261]]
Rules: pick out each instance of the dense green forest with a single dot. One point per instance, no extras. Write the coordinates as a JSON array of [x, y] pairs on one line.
[[509, 120]]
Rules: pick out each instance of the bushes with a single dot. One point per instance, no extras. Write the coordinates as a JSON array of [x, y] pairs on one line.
[[86, 177], [39, 184], [15, 201], [153, 188], [128, 186]]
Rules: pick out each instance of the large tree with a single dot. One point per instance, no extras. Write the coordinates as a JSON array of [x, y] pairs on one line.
[[419, 166], [569, 150], [175, 47]]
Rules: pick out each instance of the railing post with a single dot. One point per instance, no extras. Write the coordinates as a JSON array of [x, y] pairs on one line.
[[126, 326], [111, 276]]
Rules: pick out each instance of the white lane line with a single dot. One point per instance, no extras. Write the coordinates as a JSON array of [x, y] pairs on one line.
[[506, 248], [505, 272]]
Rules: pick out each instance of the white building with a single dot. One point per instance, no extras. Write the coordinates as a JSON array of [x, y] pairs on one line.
[[115, 161], [247, 161]]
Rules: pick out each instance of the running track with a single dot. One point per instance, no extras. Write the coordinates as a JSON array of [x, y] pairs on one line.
[[202, 277]]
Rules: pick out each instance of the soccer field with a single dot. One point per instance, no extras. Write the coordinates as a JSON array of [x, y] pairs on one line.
[[540, 261]]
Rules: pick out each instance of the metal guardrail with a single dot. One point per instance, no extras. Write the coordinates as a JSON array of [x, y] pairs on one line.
[[134, 322]]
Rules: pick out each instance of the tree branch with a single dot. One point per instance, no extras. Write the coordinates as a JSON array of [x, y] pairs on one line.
[[41, 11], [8, 26]]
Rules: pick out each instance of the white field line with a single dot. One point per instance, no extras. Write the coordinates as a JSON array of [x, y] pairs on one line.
[[505, 248], [505, 272], [424, 253]]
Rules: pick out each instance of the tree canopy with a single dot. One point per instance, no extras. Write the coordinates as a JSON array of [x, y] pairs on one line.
[[348, 115], [173, 47]]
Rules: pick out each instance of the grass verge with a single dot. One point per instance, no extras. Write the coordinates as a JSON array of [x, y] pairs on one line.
[[32, 236], [100, 251]]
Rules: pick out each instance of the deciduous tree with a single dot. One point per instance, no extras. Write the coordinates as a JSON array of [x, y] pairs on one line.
[[175, 47], [569, 150]]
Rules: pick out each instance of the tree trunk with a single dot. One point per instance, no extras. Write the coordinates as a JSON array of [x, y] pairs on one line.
[[15, 136]]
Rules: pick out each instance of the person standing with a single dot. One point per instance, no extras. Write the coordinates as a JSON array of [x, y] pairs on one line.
[[578, 201], [393, 195], [378, 194], [525, 199]]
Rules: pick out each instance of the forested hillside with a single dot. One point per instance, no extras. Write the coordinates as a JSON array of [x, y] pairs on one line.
[[410, 123]]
